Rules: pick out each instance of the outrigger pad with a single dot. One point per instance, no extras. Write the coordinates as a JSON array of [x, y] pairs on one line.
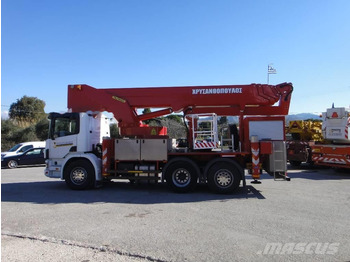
[[256, 181]]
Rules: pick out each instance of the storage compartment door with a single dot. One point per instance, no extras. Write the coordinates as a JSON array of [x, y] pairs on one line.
[[154, 149]]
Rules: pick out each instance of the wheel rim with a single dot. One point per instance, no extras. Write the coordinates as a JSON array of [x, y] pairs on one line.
[[223, 178], [181, 177], [12, 164], [78, 175]]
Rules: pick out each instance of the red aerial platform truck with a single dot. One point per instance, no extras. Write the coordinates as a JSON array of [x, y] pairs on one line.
[[80, 151]]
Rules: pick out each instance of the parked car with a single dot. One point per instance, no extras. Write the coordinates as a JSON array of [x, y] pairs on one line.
[[22, 147], [33, 156]]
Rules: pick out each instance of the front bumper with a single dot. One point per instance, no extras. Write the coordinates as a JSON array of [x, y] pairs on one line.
[[53, 171]]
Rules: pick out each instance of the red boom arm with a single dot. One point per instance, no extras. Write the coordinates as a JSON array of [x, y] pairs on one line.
[[254, 99]]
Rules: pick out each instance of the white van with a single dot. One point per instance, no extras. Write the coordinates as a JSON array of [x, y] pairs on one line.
[[22, 147]]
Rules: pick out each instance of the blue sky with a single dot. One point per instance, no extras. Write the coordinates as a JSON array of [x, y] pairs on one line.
[[47, 45]]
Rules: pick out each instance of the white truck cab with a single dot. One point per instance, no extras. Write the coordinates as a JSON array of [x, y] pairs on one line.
[[75, 136]]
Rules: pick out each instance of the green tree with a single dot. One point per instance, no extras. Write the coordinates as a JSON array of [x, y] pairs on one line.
[[27, 110], [177, 118], [146, 111], [42, 129], [223, 126], [12, 134], [223, 120], [25, 135], [8, 129], [176, 129]]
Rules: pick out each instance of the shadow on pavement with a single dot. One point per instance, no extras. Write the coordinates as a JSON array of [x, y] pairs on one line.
[[56, 192]]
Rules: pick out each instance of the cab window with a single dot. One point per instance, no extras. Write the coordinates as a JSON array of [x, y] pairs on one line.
[[64, 125]]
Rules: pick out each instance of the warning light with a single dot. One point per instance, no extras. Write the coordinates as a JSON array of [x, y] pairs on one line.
[[335, 115]]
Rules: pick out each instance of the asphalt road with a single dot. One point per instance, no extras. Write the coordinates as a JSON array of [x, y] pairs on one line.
[[306, 219]]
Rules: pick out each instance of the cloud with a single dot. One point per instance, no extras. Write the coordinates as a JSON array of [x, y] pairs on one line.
[[5, 114]]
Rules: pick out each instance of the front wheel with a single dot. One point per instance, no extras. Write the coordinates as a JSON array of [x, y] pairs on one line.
[[80, 175], [12, 164]]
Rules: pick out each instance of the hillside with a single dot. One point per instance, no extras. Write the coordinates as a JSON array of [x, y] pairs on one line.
[[303, 116]]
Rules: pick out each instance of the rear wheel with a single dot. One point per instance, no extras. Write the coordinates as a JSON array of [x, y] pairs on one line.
[[79, 175], [224, 177], [181, 175]]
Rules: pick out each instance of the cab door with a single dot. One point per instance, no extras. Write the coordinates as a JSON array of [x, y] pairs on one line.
[[64, 130]]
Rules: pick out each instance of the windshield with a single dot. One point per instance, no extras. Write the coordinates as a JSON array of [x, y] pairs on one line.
[[13, 149], [63, 125]]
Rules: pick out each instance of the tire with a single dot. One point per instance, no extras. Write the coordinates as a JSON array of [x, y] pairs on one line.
[[80, 175], [12, 164], [224, 177], [181, 175]]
